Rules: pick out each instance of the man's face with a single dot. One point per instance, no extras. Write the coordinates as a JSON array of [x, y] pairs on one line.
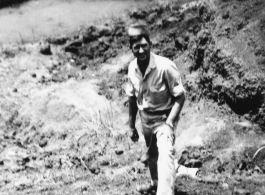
[[141, 50]]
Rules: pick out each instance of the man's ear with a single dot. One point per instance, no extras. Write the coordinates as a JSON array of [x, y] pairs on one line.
[[151, 44]]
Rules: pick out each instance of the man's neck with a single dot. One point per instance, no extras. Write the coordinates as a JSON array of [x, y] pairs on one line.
[[143, 65]]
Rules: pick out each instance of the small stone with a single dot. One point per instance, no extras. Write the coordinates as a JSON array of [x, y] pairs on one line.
[[115, 164], [196, 155], [144, 159], [225, 186], [43, 143], [179, 43], [45, 49], [151, 18], [238, 172], [94, 169], [226, 15], [84, 67], [257, 193], [104, 163], [119, 152]]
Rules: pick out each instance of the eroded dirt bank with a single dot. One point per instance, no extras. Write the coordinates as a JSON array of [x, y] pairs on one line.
[[63, 120]]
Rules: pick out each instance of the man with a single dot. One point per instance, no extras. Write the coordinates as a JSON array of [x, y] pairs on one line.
[[156, 90]]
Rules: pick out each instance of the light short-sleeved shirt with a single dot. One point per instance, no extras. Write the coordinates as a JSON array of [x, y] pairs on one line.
[[156, 89]]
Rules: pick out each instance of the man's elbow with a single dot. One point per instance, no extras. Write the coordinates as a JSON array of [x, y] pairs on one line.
[[180, 98]]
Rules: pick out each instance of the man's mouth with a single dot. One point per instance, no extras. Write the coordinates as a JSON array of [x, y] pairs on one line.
[[141, 57]]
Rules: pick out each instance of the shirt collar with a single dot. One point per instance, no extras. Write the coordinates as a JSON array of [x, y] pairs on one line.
[[150, 66]]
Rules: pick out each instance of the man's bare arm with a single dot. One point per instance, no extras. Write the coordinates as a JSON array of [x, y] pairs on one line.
[[176, 109], [132, 118]]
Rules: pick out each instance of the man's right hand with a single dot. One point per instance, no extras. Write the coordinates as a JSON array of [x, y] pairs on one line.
[[134, 134]]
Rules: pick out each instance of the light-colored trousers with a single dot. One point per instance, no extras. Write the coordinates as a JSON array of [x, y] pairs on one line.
[[160, 140]]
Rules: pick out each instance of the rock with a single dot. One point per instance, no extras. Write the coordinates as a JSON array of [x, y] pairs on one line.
[[179, 43], [225, 186], [196, 155], [159, 23], [91, 34], [119, 152], [138, 14], [119, 31], [115, 164], [203, 37], [58, 41], [104, 163], [45, 49], [193, 163], [242, 165], [105, 30], [43, 143], [170, 21], [23, 161], [72, 49], [226, 15], [184, 157], [151, 18], [94, 168], [144, 159], [34, 75], [257, 193], [240, 191], [169, 51], [76, 43]]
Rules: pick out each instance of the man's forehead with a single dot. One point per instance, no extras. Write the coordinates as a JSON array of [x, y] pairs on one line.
[[142, 40]]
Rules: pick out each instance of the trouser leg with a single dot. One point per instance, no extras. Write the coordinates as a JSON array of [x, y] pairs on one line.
[[152, 152], [152, 160], [165, 164]]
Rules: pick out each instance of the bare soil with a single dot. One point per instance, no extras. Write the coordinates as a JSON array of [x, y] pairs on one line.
[[63, 113]]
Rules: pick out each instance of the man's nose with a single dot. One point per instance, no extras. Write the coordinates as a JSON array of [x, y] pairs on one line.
[[141, 50]]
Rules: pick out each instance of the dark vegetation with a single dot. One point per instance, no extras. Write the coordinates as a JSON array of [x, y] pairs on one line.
[[8, 3]]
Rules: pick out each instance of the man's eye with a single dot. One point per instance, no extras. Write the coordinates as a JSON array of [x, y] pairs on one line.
[[137, 47]]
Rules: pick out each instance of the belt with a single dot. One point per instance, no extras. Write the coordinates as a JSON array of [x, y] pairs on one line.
[[159, 112]]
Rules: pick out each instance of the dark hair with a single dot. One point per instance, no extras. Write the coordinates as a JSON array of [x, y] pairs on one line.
[[134, 39]]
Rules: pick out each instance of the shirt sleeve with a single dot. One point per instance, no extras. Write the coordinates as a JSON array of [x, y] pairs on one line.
[[173, 79]]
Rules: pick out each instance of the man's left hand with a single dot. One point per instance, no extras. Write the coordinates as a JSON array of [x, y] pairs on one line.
[[170, 124], [134, 135]]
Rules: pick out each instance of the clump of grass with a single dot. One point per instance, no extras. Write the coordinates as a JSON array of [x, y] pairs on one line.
[[101, 120], [111, 84], [8, 53], [220, 140]]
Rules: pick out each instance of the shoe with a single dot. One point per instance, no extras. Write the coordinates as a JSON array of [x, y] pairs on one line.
[[146, 188]]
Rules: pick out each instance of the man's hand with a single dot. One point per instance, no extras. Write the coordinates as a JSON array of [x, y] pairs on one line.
[[134, 134]]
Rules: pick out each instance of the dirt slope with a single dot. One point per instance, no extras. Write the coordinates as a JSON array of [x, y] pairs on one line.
[[63, 120]]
